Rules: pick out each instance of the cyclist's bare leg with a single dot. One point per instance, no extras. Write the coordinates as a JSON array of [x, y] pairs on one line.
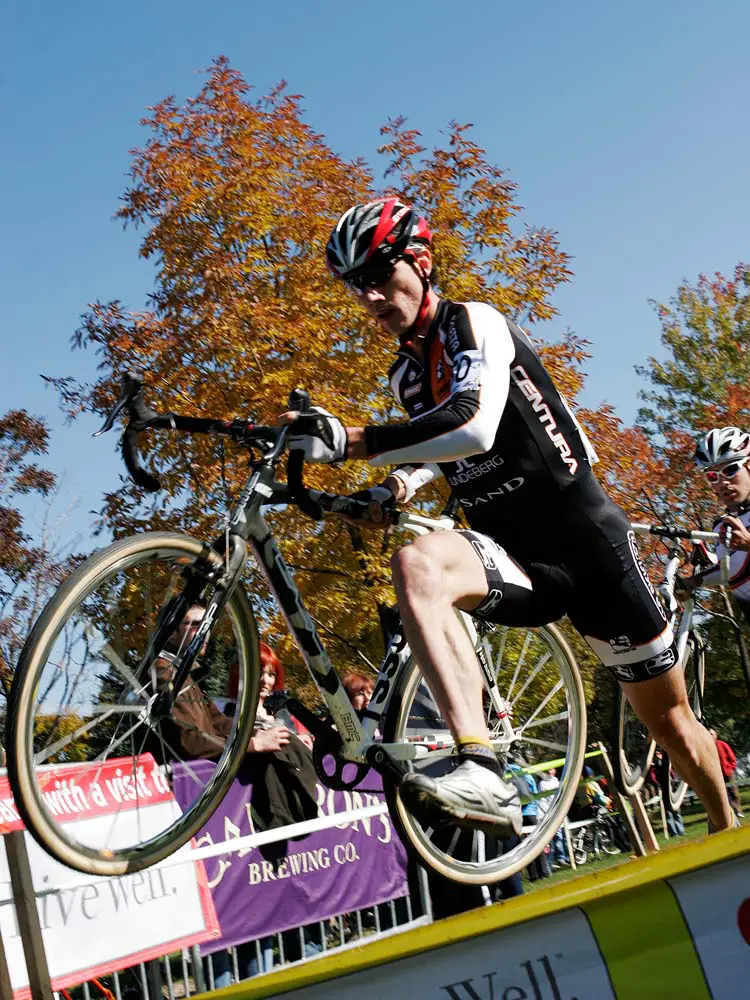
[[662, 704], [432, 576]]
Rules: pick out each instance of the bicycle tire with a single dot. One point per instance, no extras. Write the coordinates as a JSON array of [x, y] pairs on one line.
[[480, 863], [68, 614], [674, 788], [632, 746]]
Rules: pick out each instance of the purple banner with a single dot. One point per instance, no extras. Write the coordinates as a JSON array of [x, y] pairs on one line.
[[265, 890]]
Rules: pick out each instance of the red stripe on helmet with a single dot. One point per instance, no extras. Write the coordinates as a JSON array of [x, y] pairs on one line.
[[422, 231], [386, 224]]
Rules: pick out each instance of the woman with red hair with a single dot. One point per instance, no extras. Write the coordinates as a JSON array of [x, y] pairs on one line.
[[270, 733]]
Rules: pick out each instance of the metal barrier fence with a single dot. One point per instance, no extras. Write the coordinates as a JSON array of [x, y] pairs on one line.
[[185, 973]]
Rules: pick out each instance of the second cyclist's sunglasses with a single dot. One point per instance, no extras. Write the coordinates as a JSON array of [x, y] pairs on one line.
[[726, 471], [376, 273]]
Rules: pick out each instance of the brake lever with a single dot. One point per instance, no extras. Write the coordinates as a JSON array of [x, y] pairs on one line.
[[725, 559], [131, 386]]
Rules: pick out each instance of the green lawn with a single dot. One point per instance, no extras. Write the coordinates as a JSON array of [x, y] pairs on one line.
[[694, 819]]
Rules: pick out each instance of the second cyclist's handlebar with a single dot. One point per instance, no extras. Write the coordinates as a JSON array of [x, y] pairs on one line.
[[666, 531]]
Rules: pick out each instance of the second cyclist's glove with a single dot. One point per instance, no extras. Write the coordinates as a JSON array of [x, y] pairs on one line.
[[320, 435]]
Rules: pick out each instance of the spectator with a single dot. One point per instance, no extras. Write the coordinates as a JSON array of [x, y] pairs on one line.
[[359, 687], [278, 766], [274, 739], [548, 784], [660, 775], [530, 811], [588, 798], [728, 762]]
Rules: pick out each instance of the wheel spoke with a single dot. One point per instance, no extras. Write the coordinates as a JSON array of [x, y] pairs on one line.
[[545, 695], [549, 744], [543, 704], [114, 660], [519, 663], [541, 664], [83, 699], [558, 717]]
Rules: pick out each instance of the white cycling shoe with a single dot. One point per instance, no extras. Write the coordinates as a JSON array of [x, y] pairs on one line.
[[470, 796]]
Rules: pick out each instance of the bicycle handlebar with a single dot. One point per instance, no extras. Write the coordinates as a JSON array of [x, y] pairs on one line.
[[311, 502], [666, 531], [142, 418]]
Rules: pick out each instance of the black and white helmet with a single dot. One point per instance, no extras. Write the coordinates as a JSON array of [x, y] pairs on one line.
[[722, 445], [383, 229]]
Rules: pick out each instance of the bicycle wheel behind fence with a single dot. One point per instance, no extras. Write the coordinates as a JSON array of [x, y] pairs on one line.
[[673, 787], [108, 775], [632, 747], [542, 692]]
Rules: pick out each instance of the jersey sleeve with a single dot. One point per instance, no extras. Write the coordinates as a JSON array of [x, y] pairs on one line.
[[479, 350]]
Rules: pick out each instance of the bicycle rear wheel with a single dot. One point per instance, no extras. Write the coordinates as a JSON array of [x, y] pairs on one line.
[[91, 735], [633, 748], [543, 696], [674, 788]]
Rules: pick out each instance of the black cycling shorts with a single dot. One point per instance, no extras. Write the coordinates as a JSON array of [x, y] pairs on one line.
[[585, 564]]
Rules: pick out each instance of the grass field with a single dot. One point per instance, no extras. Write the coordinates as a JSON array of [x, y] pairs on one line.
[[695, 822]]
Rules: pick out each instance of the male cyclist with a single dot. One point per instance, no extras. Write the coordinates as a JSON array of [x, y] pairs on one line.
[[544, 539], [724, 455]]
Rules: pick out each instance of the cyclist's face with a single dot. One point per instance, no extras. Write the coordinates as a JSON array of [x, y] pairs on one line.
[[396, 303], [736, 489]]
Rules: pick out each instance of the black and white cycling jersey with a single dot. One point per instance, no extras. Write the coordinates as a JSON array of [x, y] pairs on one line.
[[485, 412], [739, 565]]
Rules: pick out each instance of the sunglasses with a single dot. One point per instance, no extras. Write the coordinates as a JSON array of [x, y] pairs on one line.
[[726, 472], [375, 274]]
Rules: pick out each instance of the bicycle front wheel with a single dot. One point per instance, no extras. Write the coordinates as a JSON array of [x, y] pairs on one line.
[[674, 788], [92, 737], [632, 745], [542, 724]]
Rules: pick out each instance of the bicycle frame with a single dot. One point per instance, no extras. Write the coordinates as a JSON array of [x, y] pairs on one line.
[[667, 587], [246, 524], [358, 734]]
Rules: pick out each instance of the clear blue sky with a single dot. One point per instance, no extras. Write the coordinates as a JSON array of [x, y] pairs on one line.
[[625, 127]]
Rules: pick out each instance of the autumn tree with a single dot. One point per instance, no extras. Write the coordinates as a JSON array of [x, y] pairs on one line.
[[31, 563], [702, 382], [235, 196]]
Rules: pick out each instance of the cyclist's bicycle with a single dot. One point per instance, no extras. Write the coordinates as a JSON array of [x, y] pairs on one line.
[[108, 665], [631, 741]]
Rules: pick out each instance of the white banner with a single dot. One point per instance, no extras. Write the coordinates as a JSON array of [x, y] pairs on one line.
[[552, 958], [93, 925], [715, 902]]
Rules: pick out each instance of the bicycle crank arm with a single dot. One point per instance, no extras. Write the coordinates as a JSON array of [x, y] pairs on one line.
[[384, 764]]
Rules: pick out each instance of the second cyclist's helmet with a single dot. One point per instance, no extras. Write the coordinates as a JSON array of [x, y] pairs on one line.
[[378, 230], [722, 445]]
